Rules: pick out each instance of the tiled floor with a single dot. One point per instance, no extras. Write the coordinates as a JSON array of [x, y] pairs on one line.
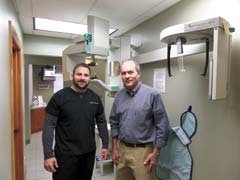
[[34, 169]]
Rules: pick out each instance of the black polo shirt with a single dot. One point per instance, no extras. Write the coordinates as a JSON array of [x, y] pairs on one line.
[[77, 114]]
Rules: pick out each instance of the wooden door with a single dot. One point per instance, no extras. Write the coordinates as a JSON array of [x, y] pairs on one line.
[[16, 106]]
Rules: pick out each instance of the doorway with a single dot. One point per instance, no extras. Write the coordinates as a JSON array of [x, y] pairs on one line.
[[16, 105]]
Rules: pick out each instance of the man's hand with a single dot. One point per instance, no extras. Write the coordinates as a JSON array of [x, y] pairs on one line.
[[115, 153], [104, 154], [51, 164], [115, 156], [151, 161]]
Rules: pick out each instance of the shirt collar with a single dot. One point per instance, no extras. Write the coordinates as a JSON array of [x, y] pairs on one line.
[[132, 92]]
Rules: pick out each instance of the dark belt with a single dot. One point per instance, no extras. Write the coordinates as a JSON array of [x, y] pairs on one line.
[[136, 145]]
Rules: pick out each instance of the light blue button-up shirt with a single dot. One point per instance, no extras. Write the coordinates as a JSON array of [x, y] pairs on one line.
[[139, 117]]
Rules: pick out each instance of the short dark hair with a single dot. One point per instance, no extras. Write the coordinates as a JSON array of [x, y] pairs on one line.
[[81, 65]]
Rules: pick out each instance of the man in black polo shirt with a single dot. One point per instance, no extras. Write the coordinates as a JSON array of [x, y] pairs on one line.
[[72, 113]]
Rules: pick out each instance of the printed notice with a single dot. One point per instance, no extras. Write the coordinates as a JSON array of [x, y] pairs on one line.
[[159, 80]]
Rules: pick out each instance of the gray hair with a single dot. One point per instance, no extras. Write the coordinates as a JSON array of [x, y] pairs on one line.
[[127, 60]]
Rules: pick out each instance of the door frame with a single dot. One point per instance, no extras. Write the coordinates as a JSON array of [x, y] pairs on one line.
[[16, 105]]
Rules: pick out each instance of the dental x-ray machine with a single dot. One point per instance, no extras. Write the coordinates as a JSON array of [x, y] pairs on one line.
[[94, 45], [215, 33]]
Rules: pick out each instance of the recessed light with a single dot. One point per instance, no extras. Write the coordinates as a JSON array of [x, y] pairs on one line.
[[61, 26]]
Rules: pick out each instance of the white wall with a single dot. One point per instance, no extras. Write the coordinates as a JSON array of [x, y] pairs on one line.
[[45, 46], [7, 13], [215, 147]]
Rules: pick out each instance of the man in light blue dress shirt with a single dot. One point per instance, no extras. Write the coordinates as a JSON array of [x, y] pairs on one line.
[[139, 126]]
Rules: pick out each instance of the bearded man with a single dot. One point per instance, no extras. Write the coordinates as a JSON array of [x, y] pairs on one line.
[[72, 113]]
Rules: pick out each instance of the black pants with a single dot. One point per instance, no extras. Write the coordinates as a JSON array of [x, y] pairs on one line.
[[72, 167]]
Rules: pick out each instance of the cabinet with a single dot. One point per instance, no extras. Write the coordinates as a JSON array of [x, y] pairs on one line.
[[37, 119]]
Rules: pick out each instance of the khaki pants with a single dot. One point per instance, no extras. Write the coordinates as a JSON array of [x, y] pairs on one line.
[[130, 166]]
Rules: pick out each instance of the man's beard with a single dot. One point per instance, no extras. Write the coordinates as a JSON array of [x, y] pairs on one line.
[[76, 84]]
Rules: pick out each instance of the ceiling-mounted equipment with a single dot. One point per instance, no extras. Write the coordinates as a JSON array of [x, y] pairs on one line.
[[214, 32], [94, 43]]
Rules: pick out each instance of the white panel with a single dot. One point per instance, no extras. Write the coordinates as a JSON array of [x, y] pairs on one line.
[[125, 48], [221, 50], [99, 28], [210, 76]]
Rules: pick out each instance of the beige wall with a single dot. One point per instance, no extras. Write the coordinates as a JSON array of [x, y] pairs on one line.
[[215, 147]]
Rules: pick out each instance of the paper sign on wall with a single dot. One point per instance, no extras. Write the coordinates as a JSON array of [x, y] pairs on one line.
[[159, 80]]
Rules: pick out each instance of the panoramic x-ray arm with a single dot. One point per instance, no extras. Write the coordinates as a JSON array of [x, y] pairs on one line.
[[216, 34]]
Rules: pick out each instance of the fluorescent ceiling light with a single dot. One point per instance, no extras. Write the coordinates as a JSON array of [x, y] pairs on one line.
[[61, 26]]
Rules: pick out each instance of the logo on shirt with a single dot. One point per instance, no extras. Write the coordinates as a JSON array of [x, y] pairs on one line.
[[93, 102]]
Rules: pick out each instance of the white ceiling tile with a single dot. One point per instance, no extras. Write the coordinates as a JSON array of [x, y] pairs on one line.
[[121, 14]]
